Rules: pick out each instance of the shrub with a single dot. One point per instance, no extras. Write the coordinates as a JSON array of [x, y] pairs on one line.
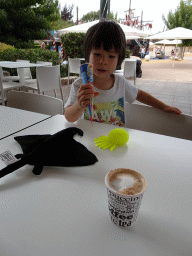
[[73, 45], [32, 55], [127, 54], [4, 46]]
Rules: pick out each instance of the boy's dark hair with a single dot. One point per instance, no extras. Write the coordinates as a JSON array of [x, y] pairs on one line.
[[106, 34]]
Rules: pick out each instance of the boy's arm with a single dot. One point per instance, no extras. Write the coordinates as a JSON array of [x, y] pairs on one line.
[[73, 112], [148, 99]]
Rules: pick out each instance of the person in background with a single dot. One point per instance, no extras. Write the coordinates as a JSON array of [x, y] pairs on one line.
[[143, 52]]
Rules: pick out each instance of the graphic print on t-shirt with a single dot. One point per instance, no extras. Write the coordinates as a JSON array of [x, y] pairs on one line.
[[108, 112]]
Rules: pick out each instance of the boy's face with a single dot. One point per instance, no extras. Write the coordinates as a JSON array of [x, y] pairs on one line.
[[104, 62]]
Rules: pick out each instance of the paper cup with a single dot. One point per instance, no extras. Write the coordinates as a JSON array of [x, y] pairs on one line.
[[124, 208]]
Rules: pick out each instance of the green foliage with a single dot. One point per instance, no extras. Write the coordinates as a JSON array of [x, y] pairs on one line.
[[181, 18], [23, 21], [6, 46], [60, 24], [50, 10], [37, 46], [33, 55], [73, 45], [93, 15], [127, 54]]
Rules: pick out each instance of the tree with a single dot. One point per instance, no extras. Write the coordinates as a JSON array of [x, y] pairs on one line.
[[181, 18], [49, 9], [91, 16], [66, 13], [23, 21], [60, 24]]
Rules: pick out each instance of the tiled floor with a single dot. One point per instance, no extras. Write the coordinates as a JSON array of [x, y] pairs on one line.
[[176, 94]]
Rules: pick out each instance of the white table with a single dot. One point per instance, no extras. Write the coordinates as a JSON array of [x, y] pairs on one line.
[[21, 65], [13, 120], [64, 210]]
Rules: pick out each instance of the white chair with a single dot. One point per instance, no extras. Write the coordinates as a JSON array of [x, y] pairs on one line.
[[5, 87], [35, 102], [48, 78], [30, 83], [45, 62], [128, 69], [149, 119], [8, 78], [73, 66], [27, 71]]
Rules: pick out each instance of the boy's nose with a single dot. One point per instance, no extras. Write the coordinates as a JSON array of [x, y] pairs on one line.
[[103, 60]]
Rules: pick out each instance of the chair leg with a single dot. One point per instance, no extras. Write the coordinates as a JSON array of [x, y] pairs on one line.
[[61, 94], [3, 97], [55, 93], [134, 78]]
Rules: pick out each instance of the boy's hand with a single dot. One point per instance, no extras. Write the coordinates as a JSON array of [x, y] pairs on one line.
[[85, 92], [170, 109]]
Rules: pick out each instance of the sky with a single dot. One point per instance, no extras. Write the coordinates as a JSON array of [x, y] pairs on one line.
[[152, 9]]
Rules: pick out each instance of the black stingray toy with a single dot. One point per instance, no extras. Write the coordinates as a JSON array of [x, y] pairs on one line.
[[59, 149]]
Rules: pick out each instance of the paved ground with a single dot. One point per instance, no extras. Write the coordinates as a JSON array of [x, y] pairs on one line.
[[172, 85]]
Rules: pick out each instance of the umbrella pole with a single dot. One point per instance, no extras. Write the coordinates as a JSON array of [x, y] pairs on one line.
[[175, 54], [173, 61]]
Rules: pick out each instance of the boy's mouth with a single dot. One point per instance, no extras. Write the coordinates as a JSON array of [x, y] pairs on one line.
[[101, 70]]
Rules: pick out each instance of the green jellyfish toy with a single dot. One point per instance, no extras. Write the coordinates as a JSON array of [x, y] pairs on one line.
[[117, 137]]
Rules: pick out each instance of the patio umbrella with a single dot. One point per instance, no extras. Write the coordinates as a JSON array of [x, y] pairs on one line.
[[168, 42], [132, 37], [164, 42], [85, 26], [176, 33], [175, 42]]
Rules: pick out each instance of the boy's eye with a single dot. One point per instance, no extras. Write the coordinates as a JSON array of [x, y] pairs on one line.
[[112, 56], [97, 54]]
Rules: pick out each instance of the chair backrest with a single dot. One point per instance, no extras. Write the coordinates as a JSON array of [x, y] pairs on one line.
[[74, 65], [45, 62], [27, 71], [2, 95], [48, 78], [1, 74], [129, 68], [35, 102], [149, 119]]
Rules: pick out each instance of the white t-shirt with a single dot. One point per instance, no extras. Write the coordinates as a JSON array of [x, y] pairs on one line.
[[108, 107]]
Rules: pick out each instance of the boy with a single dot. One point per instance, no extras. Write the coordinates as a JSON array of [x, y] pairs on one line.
[[105, 47]]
